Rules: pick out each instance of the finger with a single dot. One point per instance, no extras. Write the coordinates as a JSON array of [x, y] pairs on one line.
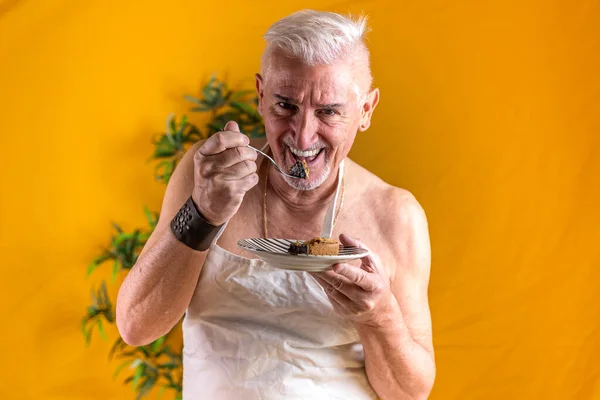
[[357, 276], [342, 301], [340, 283], [230, 157], [222, 141], [231, 126], [334, 295], [368, 262], [239, 170], [246, 183]]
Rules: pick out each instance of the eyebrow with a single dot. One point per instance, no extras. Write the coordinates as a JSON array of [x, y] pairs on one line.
[[292, 101]]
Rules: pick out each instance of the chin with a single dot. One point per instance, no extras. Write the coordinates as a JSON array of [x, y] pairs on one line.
[[313, 182]]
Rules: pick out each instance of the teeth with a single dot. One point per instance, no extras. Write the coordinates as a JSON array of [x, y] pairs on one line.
[[300, 153]]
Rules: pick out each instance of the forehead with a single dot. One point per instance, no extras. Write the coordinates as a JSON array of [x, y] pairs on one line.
[[291, 77]]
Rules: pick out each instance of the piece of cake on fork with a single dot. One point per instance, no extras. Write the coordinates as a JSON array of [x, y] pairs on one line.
[[300, 169]]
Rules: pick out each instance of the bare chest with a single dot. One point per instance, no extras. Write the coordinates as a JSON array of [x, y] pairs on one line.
[[357, 219]]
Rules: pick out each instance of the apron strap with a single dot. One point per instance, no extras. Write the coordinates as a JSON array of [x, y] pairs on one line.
[[327, 229]]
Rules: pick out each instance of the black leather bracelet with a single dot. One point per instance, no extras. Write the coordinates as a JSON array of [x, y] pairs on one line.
[[191, 229]]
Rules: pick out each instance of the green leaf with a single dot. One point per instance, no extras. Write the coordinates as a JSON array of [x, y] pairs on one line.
[[117, 227], [193, 135], [118, 345], [144, 351], [145, 236], [151, 217], [101, 329], [168, 366], [169, 379], [215, 93], [156, 345], [122, 238], [215, 127], [84, 322], [130, 353], [173, 386], [88, 336], [103, 295], [94, 299], [92, 312], [120, 368], [164, 170], [115, 271], [247, 109], [96, 262], [172, 127], [241, 93], [209, 93], [193, 99], [139, 371], [130, 245], [146, 387], [164, 152], [224, 117], [162, 140], [182, 127], [201, 109], [91, 268], [109, 315]]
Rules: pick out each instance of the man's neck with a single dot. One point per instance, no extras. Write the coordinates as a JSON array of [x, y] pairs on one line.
[[300, 201]]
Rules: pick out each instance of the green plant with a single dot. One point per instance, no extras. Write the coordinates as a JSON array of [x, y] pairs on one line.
[[158, 365]]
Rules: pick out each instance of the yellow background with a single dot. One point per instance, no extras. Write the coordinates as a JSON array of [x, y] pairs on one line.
[[490, 114]]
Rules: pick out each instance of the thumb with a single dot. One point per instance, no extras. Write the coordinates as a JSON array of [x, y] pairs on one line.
[[347, 240], [232, 126], [369, 262]]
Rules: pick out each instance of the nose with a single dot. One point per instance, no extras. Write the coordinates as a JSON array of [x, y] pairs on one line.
[[306, 130]]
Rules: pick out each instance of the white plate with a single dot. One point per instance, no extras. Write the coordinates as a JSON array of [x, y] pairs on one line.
[[275, 252]]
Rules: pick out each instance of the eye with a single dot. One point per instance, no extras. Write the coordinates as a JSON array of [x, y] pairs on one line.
[[328, 111], [285, 106]]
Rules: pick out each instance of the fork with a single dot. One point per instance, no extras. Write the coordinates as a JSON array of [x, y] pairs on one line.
[[274, 163]]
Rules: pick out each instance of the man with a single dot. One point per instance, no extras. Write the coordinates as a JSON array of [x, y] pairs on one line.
[[252, 331]]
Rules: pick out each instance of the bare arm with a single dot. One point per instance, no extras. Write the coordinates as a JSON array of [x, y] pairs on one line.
[[217, 174], [399, 354], [391, 314], [157, 290]]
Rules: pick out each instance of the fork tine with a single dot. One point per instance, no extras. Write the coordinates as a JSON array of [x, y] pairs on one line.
[[274, 163]]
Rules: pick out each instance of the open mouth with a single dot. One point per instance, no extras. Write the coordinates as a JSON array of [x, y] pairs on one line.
[[311, 157]]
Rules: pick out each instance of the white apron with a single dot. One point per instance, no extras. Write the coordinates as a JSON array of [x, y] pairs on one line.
[[254, 332]]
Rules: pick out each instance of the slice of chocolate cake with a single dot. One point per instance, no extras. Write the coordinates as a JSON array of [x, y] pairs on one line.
[[318, 246], [298, 248], [300, 169]]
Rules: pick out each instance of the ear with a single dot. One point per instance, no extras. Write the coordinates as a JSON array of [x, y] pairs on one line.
[[260, 92], [371, 101]]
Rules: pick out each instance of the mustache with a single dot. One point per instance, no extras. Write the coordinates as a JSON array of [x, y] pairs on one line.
[[315, 146]]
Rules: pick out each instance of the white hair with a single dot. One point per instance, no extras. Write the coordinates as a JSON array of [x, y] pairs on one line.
[[316, 37]]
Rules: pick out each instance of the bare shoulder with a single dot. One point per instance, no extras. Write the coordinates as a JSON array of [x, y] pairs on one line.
[[408, 234], [394, 206], [401, 224]]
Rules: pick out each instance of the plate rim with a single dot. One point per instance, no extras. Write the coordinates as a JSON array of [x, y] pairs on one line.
[[363, 252]]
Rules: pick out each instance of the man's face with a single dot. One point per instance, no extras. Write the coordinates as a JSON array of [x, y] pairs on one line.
[[312, 113]]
